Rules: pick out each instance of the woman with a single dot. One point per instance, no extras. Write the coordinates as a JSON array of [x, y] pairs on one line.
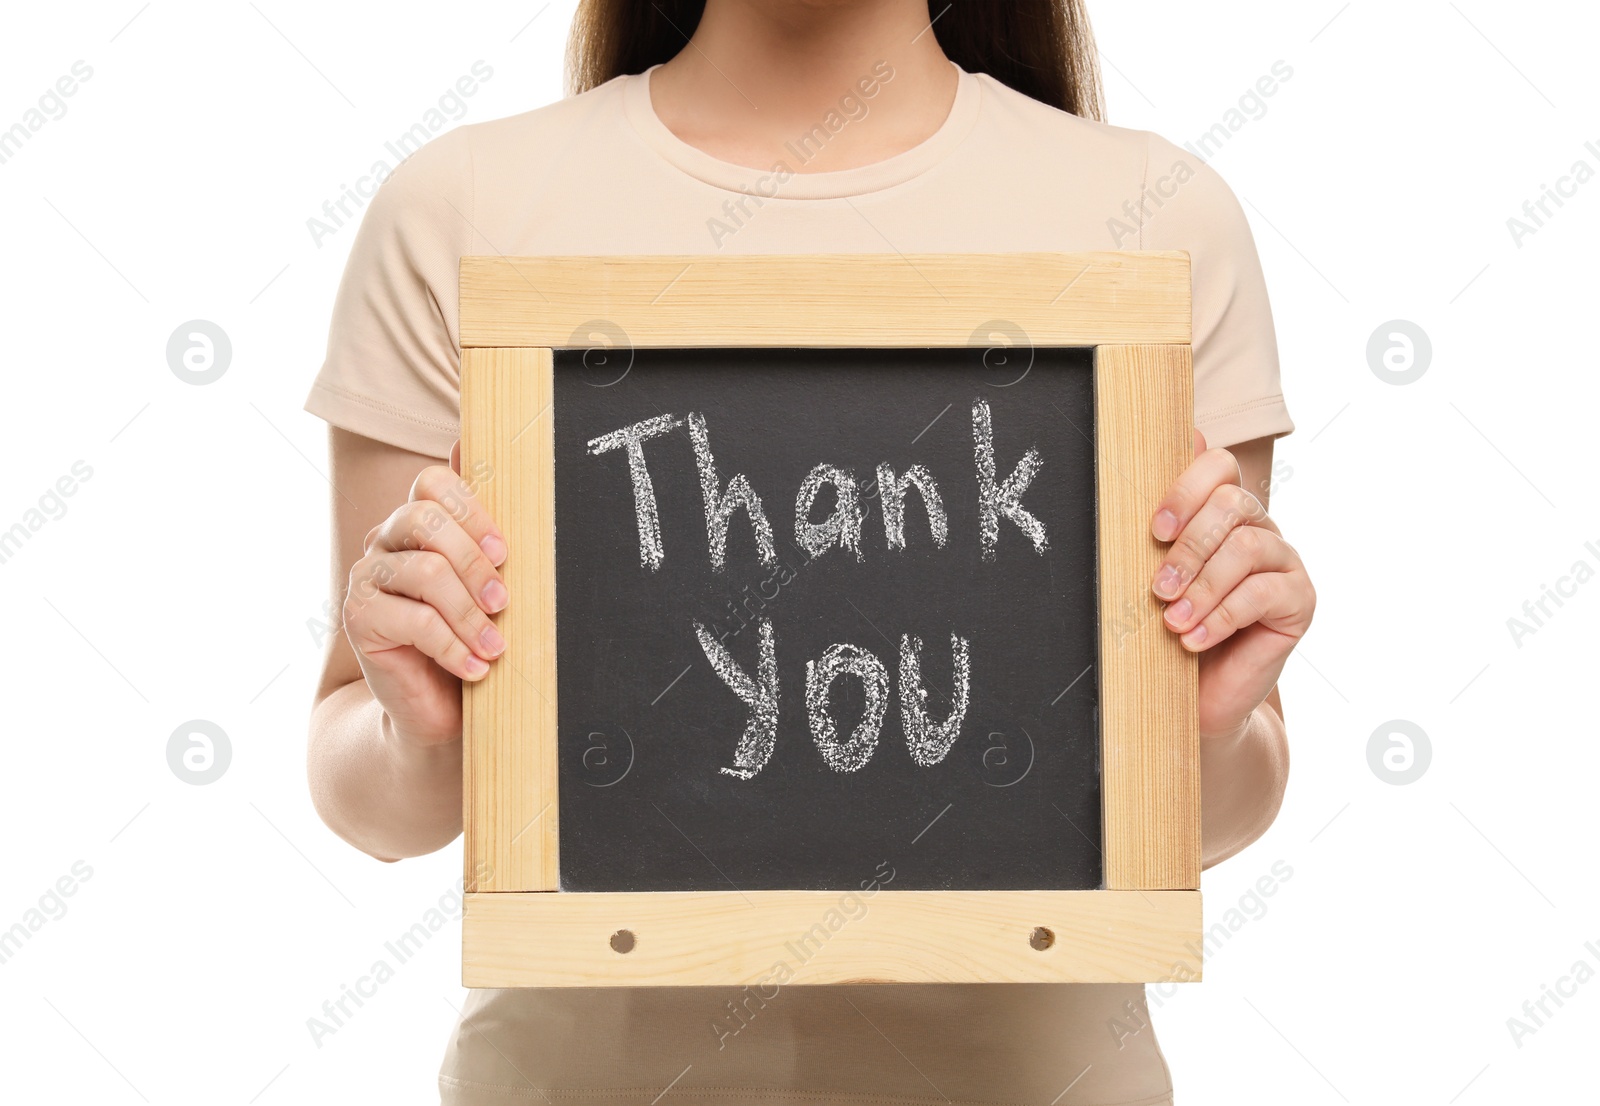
[[784, 126]]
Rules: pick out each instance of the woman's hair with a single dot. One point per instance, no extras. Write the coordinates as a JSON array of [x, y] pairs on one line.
[[1042, 48]]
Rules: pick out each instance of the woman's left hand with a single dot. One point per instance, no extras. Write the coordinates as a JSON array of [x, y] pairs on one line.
[[1236, 592]]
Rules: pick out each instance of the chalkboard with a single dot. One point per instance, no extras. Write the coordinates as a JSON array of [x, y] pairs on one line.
[[666, 781], [672, 774]]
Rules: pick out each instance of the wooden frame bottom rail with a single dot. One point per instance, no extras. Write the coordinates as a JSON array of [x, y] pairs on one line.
[[773, 938]]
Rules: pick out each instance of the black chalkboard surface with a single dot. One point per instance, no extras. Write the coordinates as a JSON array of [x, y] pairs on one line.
[[672, 774]]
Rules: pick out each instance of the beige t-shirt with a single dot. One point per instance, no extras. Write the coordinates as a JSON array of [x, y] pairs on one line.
[[601, 174]]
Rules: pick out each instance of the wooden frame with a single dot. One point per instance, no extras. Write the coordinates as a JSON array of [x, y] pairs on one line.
[[1134, 310]]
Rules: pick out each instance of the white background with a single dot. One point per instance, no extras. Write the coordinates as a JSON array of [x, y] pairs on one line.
[[186, 579]]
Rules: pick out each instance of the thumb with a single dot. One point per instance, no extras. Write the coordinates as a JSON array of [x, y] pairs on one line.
[[1199, 443], [455, 455]]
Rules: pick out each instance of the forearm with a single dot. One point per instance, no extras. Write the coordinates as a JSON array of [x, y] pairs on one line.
[[388, 798], [1242, 780]]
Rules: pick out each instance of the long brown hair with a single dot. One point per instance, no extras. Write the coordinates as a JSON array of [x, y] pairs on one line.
[[1042, 48]]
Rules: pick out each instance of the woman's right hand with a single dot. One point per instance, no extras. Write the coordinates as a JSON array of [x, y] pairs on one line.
[[418, 604]]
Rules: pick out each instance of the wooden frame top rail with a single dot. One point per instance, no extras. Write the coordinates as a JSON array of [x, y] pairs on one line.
[[1054, 299]]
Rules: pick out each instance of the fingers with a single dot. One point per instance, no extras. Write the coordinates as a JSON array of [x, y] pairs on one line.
[[1210, 470], [1228, 508], [429, 578], [384, 621], [424, 525], [1280, 601], [1219, 600], [440, 484]]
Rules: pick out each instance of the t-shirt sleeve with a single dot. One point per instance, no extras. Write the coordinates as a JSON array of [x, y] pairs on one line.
[[1237, 392], [392, 369]]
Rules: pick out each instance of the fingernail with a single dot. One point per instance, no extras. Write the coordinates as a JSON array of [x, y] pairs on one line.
[[1166, 525], [476, 666], [494, 547], [495, 595], [1195, 637], [1179, 612], [1167, 582], [492, 642]]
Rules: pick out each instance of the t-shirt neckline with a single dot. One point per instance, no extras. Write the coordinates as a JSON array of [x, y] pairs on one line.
[[834, 184]]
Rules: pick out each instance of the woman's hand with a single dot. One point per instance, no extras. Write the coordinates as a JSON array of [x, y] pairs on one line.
[[418, 606], [1236, 592]]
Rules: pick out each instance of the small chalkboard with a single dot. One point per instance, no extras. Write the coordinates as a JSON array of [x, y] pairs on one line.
[[830, 616], [907, 538]]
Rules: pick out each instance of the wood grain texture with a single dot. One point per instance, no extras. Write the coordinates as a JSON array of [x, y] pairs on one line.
[[729, 938], [1072, 299], [509, 717], [1149, 740]]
